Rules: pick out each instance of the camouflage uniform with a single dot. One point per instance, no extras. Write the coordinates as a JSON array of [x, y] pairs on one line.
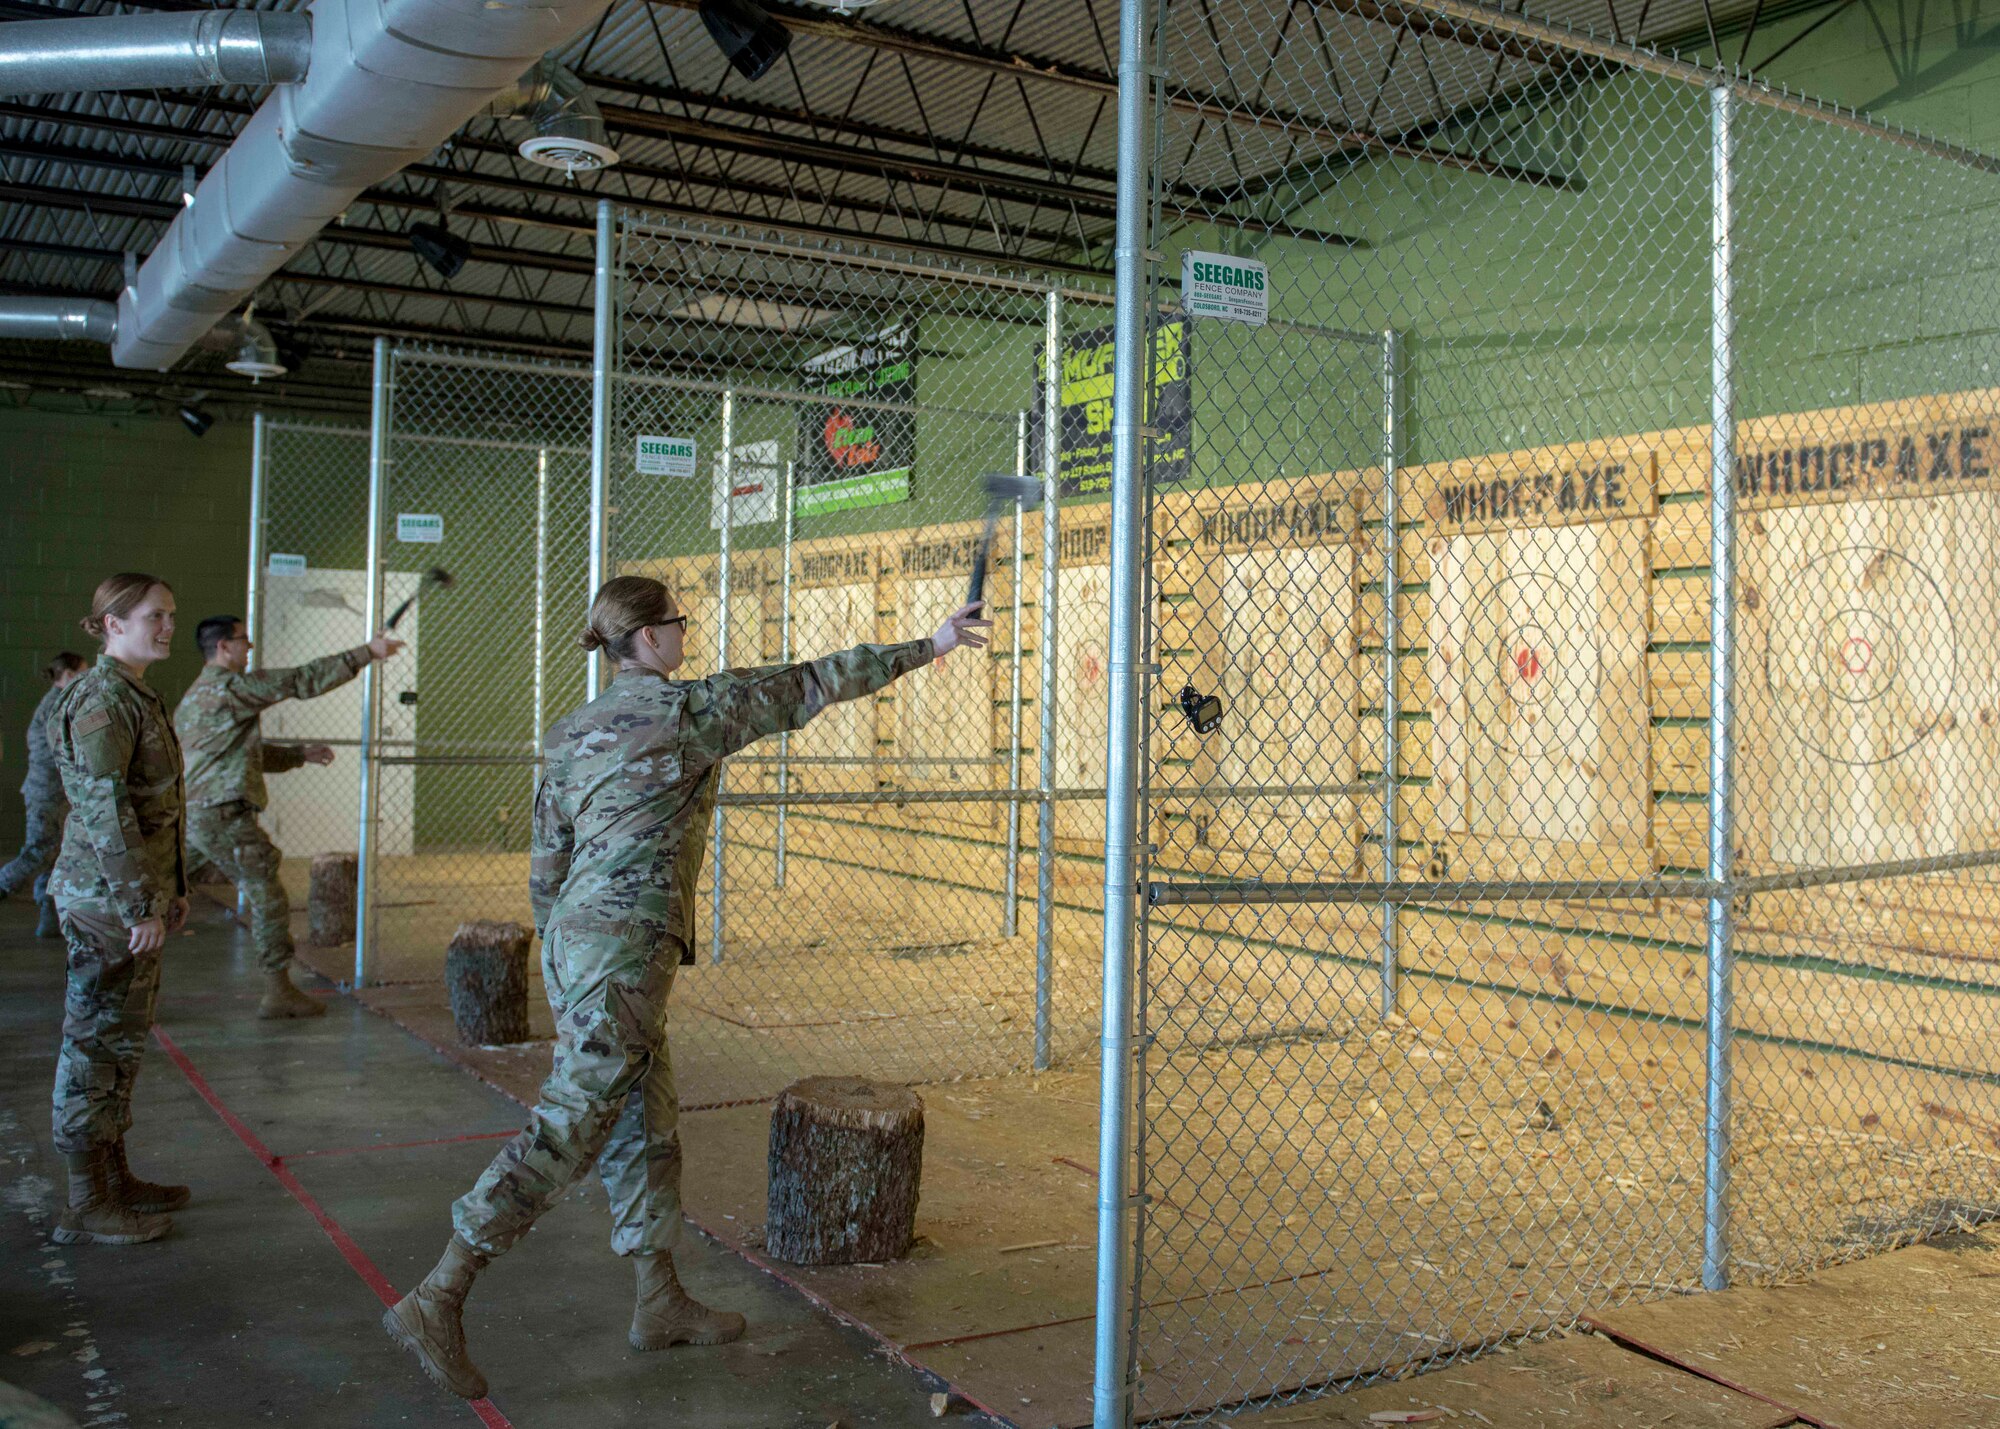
[[123, 861], [626, 793], [42, 792], [227, 761]]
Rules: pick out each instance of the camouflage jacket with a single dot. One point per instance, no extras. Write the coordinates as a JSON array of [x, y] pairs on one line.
[[44, 781], [124, 849], [628, 776], [218, 722]]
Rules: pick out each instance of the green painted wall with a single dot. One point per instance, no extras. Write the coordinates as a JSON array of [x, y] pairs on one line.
[[90, 495]]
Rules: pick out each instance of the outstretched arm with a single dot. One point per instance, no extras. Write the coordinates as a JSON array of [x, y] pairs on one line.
[[260, 689], [729, 711]]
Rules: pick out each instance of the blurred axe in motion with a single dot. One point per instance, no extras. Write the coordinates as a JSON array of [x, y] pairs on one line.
[[436, 576], [1002, 490]]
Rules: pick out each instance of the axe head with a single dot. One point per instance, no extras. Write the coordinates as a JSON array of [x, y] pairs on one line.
[[440, 577], [1005, 488]]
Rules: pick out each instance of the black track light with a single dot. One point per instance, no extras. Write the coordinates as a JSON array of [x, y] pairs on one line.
[[750, 39], [196, 420], [444, 250]]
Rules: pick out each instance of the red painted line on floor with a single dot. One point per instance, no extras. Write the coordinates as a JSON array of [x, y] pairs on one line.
[[396, 1145], [969, 1338], [356, 1258]]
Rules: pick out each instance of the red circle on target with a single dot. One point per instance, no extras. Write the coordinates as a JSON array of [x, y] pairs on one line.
[[1527, 663], [1857, 654]]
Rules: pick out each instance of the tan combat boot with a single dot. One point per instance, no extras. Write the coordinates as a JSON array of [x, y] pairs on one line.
[[137, 1195], [94, 1215], [282, 999], [427, 1321], [667, 1315]]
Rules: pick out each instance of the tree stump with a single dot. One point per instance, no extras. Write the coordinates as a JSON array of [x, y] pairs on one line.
[[486, 971], [846, 1159], [330, 900]]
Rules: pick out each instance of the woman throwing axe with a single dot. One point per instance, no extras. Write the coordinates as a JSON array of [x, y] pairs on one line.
[[628, 785]]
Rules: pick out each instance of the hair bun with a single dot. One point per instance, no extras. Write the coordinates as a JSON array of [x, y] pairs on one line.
[[93, 625], [590, 639]]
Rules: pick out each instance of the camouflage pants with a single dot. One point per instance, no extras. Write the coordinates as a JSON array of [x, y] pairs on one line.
[[38, 850], [107, 1013], [609, 1100], [229, 836]]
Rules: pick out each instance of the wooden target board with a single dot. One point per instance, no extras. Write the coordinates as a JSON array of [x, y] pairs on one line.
[[1870, 680], [1083, 638], [1537, 638], [943, 719], [834, 605]]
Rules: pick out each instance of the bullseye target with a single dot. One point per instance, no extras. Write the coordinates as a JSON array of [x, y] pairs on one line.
[[1542, 656], [1862, 654]]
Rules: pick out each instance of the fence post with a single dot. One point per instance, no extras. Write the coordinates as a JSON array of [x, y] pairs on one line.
[[1129, 685], [382, 393], [603, 357], [541, 612], [716, 849], [1392, 579], [784, 658], [1010, 913], [1045, 808], [253, 593], [1721, 696]]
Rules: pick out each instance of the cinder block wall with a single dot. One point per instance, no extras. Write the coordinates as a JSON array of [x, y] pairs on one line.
[[87, 495]]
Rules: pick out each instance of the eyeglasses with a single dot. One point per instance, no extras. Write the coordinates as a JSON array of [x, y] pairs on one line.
[[680, 620]]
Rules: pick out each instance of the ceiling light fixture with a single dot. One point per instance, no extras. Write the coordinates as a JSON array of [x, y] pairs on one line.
[[438, 246], [748, 38]]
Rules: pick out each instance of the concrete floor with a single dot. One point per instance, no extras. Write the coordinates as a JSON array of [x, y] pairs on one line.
[[259, 1306]]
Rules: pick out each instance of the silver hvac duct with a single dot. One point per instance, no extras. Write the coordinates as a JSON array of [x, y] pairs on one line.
[[389, 81], [199, 47], [569, 131], [58, 319]]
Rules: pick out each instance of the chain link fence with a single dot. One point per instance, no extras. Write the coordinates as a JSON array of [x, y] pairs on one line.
[[1525, 930], [1469, 1001], [308, 598]]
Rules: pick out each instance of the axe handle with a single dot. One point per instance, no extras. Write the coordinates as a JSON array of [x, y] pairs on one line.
[[979, 555], [401, 611]]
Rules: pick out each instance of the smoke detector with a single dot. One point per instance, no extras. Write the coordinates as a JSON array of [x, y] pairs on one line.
[[572, 154]]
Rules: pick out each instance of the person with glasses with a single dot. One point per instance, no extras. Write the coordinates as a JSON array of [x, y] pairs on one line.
[[628, 783], [218, 721]]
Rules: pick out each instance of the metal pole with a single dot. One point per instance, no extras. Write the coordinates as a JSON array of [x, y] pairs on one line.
[[1045, 811], [1392, 580], [603, 342], [367, 847], [541, 603], [1112, 1393], [253, 594], [1010, 913], [716, 849], [1721, 697], [784, 658]]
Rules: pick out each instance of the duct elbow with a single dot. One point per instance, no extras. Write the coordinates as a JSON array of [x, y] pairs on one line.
[[569, 133]]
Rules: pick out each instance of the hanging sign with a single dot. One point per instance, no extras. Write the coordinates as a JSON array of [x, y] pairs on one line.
[[286, 565], [1214, 285], [421, 530], [1083, 456], [751, 487], [858, 447], [665, 456]]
